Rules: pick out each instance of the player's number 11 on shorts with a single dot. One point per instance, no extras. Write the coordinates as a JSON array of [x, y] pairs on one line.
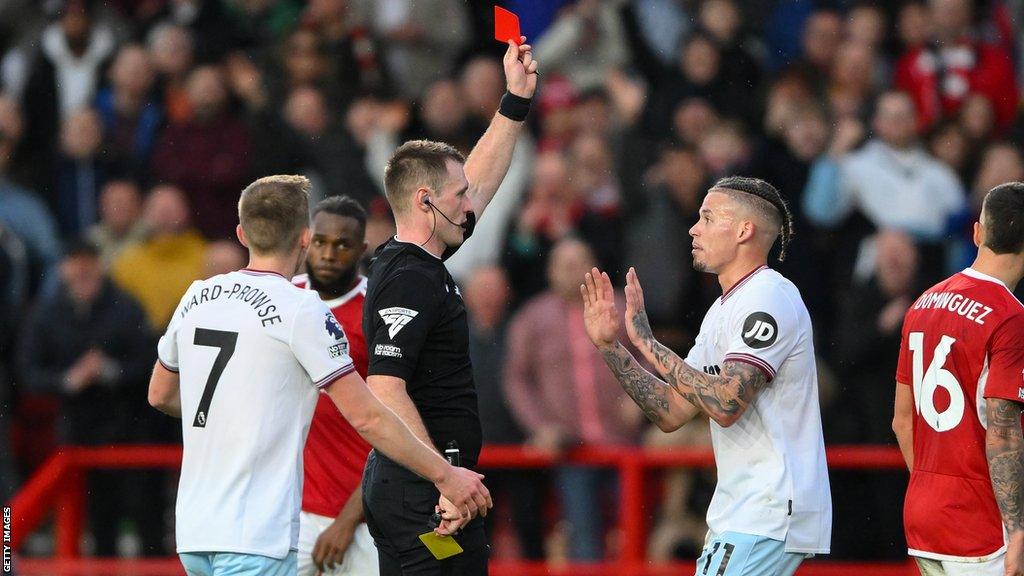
[[216, 339]]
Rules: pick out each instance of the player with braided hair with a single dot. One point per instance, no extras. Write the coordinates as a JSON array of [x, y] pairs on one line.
[[751, 371], [776, 212]]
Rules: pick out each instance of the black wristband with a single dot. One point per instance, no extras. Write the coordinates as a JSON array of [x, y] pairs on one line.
[[514, 107]]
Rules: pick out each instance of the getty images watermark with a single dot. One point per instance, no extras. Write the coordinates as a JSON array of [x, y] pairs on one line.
[[7, 540]]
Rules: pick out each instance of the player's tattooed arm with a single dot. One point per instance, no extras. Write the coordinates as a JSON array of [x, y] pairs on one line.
[[652, 395], [723, 398], [1004, 448]]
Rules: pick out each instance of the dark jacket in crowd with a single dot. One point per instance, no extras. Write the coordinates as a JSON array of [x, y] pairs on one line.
[[57, 334]]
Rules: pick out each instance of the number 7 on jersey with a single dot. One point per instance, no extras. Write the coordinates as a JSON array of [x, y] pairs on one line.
[[215, 339]]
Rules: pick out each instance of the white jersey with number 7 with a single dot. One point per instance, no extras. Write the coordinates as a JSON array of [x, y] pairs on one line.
[[251, 351]]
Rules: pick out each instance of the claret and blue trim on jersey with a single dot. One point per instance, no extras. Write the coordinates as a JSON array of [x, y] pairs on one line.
[[732, 289]]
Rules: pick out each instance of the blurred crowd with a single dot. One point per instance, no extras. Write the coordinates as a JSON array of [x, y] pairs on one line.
[[128, 128]]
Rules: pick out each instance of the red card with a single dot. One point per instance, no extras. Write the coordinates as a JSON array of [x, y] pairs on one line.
[[506, 26]]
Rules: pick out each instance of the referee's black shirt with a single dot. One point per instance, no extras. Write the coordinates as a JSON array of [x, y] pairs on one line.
[[416, 329]]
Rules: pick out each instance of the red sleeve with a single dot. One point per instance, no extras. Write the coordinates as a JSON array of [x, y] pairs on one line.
[[995, 78], [1006, 360]]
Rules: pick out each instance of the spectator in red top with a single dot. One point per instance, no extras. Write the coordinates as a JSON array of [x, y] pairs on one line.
[[207, 155], [943, 73]]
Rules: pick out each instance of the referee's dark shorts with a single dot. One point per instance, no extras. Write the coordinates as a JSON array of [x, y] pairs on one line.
[[398, 505]]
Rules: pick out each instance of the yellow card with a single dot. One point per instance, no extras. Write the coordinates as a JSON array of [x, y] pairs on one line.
[[440, 546]]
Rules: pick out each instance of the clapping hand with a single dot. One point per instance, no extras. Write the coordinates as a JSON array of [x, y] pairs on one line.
[[638, 327], [600, 317]]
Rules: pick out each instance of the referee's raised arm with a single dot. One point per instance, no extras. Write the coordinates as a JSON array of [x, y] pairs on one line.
[[488, 163]]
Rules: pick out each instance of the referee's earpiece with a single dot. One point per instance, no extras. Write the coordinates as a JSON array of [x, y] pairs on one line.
[[426, 200]]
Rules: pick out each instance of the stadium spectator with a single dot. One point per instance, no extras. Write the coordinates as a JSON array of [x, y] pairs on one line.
[[352, 51], [950, 145], [261, 23], [445, 115], [421, 39], [206, 22], [676, 185], [81, 171], [20, 209], [1000, 162], [95, 363], [945, 71], [820, 40], [722, 20], [592, 173], [172, 51], [866, 26], [868, 331], [852, 85], [63, 77], [661, 25], [302, 61], [913, 26], [563, 397], [206, 155], [120, 224], [332, 156], [549, 213], [158, 271], [584, 42], [482, 84], [892, 181], [697, 74], [221, 257], [131, 118], [487, 299]]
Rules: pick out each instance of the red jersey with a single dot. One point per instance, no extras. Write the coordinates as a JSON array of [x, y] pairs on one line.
[[962, 343], [335, 453], [941, 81]]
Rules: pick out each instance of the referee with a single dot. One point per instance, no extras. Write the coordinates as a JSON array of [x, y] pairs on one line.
[[416, 330]]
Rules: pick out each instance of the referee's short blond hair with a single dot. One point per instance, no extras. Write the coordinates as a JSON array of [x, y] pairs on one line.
[[273, 211], [417, 163]]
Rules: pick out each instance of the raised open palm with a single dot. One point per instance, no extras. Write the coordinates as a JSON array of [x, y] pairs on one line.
[[599, 314], [638, 328]]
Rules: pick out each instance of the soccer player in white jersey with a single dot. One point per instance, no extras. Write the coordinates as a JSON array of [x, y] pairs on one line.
[[751, 371], [241, 363]]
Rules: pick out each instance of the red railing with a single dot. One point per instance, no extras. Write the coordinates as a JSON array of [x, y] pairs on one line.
[[59, 486]]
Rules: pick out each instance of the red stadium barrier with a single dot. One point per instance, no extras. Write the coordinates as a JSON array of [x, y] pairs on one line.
[[59, 486]]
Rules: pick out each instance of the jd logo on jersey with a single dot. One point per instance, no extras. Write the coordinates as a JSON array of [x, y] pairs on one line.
[[396, 318], [760, 330]]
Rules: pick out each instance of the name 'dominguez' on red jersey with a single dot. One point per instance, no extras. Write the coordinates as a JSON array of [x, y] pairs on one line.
[[963, 342]]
